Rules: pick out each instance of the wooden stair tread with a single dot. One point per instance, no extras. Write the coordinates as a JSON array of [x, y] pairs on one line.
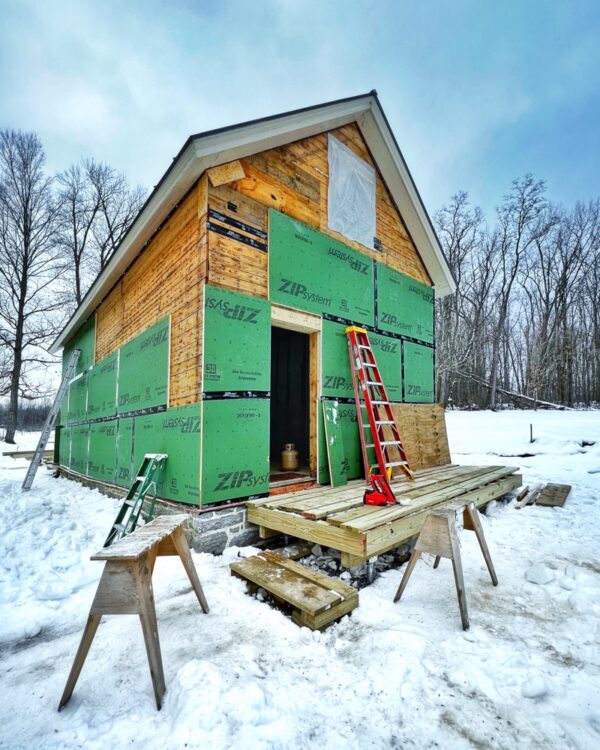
[[308, 591]]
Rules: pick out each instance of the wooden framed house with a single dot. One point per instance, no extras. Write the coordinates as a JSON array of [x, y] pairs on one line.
[[217, 327]]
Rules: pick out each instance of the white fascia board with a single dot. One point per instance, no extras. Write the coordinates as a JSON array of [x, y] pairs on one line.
[[396, 176]]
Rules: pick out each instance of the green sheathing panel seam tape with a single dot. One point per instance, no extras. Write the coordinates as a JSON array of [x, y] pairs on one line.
[[237, 341], [311, 271]]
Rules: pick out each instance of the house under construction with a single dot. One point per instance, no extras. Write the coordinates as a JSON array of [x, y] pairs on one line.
[[217, 329]]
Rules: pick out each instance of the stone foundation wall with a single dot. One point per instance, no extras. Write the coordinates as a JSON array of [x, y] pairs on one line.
[[212, 531]]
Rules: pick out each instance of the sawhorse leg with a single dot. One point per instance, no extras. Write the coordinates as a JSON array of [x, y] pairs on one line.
[[440, 537], [125, 588], [472, 522], [86, 641]]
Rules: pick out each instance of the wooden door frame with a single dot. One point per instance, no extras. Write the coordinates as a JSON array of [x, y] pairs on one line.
[[303, 322]]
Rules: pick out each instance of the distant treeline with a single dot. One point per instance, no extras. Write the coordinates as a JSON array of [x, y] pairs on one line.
[[524, 325], [32, 415]]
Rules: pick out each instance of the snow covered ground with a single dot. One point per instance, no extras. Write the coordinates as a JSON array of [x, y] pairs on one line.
[[526, 675]]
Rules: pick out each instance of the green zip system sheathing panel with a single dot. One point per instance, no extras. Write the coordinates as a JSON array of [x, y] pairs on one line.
[[102, 451], [124, 452], [64, 446], [102, 388], [418, 373], [337, 378], [78, 399], [237, 342], [235, 449], [79, 448], [84, 339], [144, 369], [351, 440], [311, 271], [175, 432], [404, 306], [336, 455]]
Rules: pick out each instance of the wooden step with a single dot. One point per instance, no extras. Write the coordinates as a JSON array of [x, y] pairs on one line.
[[317, 599]]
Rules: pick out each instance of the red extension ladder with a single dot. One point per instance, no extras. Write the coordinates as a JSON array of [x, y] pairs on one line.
[[371, 397]]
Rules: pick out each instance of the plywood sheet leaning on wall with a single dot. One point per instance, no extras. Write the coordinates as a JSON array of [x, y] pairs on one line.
[[351, 441], [237, 342], [338, 466], [423, 431], [235, 449]]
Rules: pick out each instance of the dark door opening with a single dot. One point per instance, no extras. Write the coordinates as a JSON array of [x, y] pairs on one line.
[[290, 414]]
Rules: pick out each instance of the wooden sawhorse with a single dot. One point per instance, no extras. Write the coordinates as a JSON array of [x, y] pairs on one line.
[[125, 588], [439, 536]]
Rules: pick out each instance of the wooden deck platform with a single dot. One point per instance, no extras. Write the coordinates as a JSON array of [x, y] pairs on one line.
[[336, 516]]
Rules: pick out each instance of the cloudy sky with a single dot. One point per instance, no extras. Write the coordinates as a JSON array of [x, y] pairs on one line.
[[477, 92]]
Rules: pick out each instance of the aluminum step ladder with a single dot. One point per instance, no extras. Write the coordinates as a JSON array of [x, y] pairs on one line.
[[50, 421], [373, 403], [146, 481]]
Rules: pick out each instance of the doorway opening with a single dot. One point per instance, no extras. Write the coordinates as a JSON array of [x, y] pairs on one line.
[[290, 405]]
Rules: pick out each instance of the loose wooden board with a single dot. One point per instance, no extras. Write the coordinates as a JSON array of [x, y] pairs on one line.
[[554, 495]]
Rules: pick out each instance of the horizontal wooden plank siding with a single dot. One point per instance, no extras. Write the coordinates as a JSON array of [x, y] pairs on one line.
[[293, 179], [164, 280]]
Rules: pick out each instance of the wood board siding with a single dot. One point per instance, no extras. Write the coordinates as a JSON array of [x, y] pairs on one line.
[[293, 179], [164, 280]]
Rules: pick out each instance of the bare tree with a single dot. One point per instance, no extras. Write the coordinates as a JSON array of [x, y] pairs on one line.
[[119, 204], [79, 203], [97, 207], [522, 220], [29, 265]]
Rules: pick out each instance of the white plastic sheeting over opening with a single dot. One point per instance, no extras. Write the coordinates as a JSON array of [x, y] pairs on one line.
[[351, 195]]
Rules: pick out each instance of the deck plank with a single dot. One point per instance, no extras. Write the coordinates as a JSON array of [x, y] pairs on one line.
[[337, 518], [448, 492]]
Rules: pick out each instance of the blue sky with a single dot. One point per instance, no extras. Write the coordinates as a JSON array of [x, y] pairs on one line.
[[477, 93]]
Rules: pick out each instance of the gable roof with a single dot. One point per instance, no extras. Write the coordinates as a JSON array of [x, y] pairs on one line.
[[215, 147]]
